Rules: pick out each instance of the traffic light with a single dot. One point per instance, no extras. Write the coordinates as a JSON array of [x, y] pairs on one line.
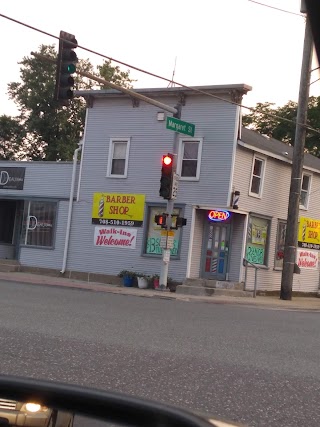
[[66, 66], [181, 222], [178, 222], [166, 176], [161, 220]]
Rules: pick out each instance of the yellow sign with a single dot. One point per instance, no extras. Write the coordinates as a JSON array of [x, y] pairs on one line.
[[309, 233], [118, 209], [167, 233]]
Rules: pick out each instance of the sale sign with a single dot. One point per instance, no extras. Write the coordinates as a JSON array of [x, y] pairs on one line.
[[120, 237], [307, 259]]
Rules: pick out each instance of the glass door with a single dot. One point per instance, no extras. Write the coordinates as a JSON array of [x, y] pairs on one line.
[[215, 251]]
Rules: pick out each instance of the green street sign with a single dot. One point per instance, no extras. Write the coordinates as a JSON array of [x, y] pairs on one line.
[[180, 126]]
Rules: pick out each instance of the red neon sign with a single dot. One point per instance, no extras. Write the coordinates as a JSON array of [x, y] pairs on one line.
[[218, 215]]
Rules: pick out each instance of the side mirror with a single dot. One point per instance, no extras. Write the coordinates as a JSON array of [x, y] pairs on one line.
[[32, 403]]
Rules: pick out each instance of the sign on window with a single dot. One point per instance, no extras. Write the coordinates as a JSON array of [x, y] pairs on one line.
[[153, 242]]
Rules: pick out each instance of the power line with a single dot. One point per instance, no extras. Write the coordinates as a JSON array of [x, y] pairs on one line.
[[277, 8], [253, 109]]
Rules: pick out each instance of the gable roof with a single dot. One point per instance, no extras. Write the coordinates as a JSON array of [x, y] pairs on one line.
[[273, 148]]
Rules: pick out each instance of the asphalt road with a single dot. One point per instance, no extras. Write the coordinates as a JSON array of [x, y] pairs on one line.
[[256, 366]]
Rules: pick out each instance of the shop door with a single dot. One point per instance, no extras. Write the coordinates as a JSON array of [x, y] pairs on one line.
[[215, 251]]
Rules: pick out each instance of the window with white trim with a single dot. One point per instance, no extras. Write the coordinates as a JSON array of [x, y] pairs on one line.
[[118, 157], [305, 191], [281, 237], [190, 159], [38, 225], [257, 175]]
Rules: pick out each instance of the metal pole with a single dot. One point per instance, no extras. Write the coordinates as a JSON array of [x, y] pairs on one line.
[[129, 92], [255, 282], [296, 172], [245, 274], [169, 212]]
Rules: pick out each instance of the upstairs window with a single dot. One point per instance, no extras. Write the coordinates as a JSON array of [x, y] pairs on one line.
[[118, 158], [190, 159], [305, 191], [257, 176]]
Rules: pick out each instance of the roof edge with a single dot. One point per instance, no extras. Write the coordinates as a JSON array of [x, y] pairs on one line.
[[273, 155], [192, 90]]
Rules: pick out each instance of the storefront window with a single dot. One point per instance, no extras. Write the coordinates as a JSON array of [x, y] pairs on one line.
[[38, 224], [153, 234], [258, 240], [281, 236]]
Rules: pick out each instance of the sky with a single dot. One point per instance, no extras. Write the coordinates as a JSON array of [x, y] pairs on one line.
[[212, 41]]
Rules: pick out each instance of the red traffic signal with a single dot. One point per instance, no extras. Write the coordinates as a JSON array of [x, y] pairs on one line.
[[166, 176], [161, 220], [167, 160]]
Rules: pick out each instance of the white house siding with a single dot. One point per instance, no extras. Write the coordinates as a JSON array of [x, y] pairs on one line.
[[236, 244], [197, 244], [115, 117], [274, 203]]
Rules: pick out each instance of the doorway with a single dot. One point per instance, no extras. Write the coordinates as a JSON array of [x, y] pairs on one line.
[[215, 251], [10, 228]]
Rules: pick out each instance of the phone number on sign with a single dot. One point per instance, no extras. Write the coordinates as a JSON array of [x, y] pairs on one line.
[[116, 222]]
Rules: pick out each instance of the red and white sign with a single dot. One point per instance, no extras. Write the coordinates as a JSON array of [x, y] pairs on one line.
[[115, 237], [307, 259]]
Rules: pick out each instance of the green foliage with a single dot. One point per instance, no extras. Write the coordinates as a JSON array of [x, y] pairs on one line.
[[283, 130], [11, 138], [114, 74], [127, 273], [44, 130]]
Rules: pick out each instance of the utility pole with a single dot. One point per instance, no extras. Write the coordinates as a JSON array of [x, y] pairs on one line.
[[297, 168], [169, 212]]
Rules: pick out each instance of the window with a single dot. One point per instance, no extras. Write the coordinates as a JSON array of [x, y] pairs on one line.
[[152, 244], [38, 224], [281, 236], [257, 177], [258, 240], [305, 191], [118, 158], [190, 159]]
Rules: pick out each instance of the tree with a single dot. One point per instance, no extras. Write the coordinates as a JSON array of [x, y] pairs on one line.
[[48, 131], [11, 137], [283, 130]]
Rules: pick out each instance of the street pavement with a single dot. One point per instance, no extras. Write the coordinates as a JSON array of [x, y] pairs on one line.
[[247, 364], [267, 302]]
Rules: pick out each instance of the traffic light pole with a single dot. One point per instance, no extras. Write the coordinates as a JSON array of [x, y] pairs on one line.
[[169, 212]]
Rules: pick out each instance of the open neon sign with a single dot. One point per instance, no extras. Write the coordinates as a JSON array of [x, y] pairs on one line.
[[218, 216]]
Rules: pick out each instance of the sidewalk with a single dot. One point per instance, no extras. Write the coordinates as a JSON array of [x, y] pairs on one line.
[[268, 302]]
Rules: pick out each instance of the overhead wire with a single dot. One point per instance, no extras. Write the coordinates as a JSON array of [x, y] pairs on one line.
[[277, 8], [195, 89]]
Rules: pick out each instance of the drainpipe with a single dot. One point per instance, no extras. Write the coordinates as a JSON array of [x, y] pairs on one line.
[[73, 179]]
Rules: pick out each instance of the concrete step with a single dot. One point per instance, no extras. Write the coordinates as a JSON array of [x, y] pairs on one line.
[[216, 284], [207, 292], [9, 265], [9, 261]]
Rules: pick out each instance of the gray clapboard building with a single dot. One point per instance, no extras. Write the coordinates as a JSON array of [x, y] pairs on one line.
[[108, 223]]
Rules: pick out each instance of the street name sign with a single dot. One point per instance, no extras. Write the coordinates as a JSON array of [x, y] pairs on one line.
[[180, 126]]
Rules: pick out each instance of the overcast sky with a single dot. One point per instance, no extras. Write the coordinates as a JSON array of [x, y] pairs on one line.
[[215, 41]]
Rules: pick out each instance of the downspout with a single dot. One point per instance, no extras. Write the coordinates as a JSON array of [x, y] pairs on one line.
[[73, 180]]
